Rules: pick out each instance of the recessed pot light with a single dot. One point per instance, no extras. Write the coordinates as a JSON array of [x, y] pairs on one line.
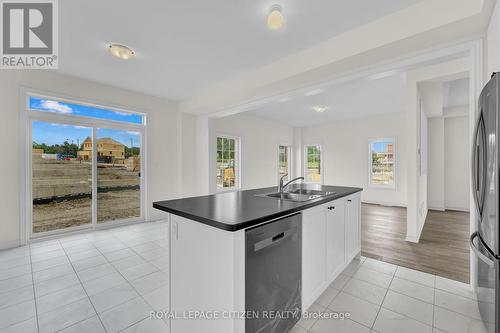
[[120, 51], [275, 18], [319, 108]]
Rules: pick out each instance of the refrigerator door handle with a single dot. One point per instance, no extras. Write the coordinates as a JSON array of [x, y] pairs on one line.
[[478, 164], [474, 164], [474, 248]]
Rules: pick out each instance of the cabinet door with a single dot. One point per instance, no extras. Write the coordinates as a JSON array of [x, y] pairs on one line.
[[313, 252], [353, 227], [335, 237]]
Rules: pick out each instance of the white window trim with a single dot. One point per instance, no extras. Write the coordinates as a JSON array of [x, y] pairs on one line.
[[238, 159], [26, 141], [395, 151], [321, 164], [290, 160]]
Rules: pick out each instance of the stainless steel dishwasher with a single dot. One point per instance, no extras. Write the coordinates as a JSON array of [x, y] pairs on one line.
[[273, 275]]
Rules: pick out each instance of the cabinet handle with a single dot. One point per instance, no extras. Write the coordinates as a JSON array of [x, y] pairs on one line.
[[349, 200], [331, 207]]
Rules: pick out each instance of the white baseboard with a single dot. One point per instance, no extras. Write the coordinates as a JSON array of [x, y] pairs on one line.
[[384, 203], [466, 210], [443, 209], [412, 239], [439, 209], [9, 245]]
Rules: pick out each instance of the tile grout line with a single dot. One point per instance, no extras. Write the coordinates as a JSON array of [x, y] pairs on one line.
[[74, 271], [433, 303], [382, 303], [131, 285], [85, 291], [343, 291], [34, 293]]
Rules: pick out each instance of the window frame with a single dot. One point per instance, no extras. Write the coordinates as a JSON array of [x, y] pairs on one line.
[[28, 116], [237, 158], [391, 186], [290, 161], [321, 163]]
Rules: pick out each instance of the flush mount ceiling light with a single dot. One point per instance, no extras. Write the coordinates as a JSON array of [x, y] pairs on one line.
[[120, 51], [319, 108], [275, 17]]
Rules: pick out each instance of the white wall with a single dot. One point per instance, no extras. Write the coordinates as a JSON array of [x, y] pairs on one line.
[[162, 128], [435, 189], [449, 164], [259, 147], [188, 160], [457, 164], [346, 156], [493, 42]]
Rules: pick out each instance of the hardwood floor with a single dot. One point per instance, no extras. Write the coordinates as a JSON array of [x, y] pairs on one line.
[[443, 248]]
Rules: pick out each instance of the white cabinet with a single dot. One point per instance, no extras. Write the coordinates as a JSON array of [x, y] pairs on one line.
[[313, 251], [331, 238], [335, 238], [353, 227]]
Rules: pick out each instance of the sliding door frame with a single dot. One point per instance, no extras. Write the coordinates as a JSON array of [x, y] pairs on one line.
[[28, 116]]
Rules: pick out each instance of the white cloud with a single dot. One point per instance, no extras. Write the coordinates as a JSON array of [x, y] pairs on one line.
[[122, 113], [54, 106], [133, 133], [59, 125]]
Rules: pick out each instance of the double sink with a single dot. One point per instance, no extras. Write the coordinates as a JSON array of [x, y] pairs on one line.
[[299, 193]]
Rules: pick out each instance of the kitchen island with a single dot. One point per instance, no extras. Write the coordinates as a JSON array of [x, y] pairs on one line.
[[207, 250]]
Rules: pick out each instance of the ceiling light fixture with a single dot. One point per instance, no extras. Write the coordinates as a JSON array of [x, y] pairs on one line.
[[319, 108], [120, 51], [275, 18]]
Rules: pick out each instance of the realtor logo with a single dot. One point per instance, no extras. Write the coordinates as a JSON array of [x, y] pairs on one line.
[[29, 34]]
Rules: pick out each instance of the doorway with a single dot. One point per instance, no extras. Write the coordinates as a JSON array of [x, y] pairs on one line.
[[86, 166]]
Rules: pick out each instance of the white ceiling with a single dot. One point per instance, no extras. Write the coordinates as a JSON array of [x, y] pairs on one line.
[[184, 46], [359, 98]]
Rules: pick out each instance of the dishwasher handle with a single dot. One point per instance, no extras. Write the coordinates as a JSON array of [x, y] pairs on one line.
[[272, 240]]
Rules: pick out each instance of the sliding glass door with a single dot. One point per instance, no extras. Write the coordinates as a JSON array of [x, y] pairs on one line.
[[118, 174], [86, 166], [61, 182]]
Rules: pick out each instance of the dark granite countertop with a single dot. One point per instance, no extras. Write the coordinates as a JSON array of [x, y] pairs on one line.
[[233, 211]]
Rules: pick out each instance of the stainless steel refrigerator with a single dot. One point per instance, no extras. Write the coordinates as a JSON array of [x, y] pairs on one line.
[[485, 242]]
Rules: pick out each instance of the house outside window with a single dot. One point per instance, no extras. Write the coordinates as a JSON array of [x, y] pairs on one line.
[[382, 163], [228, 163]]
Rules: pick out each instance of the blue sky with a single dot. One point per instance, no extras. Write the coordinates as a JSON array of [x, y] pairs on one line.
[[380, 146], [57, 133]]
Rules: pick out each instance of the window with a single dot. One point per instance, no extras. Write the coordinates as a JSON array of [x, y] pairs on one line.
[[284, 162], [228, 163], [64, 108], [312, 163], [382, 164], [85, 165]]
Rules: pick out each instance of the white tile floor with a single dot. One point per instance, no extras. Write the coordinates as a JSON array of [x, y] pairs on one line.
[[386, 298], [109, 281], [103, 281]]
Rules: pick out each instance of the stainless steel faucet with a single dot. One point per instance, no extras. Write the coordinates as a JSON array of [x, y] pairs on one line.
[[282, 186]]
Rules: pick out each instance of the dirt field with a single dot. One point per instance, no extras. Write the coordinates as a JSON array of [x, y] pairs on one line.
[[62, 189], [71, 213]]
